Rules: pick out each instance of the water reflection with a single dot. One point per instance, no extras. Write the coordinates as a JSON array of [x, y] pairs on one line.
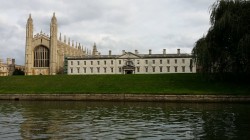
[[122, 120]]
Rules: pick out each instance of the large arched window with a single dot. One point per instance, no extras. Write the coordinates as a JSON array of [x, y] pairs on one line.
[[41, 57]]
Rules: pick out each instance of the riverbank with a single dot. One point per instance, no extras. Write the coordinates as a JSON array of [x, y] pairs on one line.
[[152, 84], [125, 97]]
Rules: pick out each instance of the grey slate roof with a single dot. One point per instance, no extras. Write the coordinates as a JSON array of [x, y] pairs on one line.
[[182, 55]]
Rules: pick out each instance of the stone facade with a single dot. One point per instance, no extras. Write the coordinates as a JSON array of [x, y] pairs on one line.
[[7, 69], [130, 63], [44, 54], [50, 55]]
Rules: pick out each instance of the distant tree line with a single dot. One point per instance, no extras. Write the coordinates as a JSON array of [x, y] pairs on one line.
[[226, 47]]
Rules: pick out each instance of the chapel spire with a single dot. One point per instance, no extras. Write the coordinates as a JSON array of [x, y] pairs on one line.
[[53, 46], [54, 20], [30, 20], [94, 52], [28, 46], [29, 26]]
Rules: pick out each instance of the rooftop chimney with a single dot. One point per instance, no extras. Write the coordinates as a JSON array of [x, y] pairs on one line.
[[123, 51], [109, 52], [178, 51], [150, 51], [164, 51], [136, 51]]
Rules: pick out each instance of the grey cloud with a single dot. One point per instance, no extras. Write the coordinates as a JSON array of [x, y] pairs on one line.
[[114, 24]]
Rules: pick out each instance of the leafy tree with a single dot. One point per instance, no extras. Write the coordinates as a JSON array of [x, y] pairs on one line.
[[18, 72], [226, 47]]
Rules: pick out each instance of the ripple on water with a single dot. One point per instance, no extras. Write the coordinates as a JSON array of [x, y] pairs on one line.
[[105, 120]]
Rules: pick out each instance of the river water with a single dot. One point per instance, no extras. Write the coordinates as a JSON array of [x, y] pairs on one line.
[[123, 120]]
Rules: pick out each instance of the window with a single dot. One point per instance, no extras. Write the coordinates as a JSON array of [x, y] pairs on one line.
[[160, 61], [175, 68], [153, 61], [91, 62], [71, 62], [41, 57], [160, 69], [105, 70], [111, 62], [153, 69], [98, 62], [146, 61], [78, 70], [138, 61], [78, 62], [71, 70], [120, 61], [129, 63], [120, 69], [168, 61], [91, 69], [84, 69], [105, 62], [183, 61], [175, 61], [112, 70], [168, 68], [146, 69], [138, 69], [191, 69], [84, 62], [98, 70], [183, 68]]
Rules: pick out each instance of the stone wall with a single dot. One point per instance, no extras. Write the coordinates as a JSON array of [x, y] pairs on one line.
[[127, 97]]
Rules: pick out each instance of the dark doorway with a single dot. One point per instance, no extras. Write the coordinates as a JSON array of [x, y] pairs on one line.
[[129, 72]]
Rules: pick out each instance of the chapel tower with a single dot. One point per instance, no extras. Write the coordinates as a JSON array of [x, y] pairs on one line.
[[45, 54], [28, 47], [53, 46]]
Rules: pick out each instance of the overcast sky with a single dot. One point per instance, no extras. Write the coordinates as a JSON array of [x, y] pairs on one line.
[[113, 24]]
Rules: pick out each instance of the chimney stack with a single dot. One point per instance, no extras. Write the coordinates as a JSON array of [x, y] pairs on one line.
[[136, 51], [123, 51], [150, 51], [178, 51], [109, 52], [164, 51]]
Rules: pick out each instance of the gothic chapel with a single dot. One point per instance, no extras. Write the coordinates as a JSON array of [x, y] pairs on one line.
[[44, 54]]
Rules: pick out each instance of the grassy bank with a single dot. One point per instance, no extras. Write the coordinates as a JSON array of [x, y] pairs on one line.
[[140, 84]]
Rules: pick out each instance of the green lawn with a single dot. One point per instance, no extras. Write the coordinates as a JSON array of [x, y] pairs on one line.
[[138, 84]]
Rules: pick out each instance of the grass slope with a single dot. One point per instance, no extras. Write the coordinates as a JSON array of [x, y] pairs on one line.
[[138, 84]]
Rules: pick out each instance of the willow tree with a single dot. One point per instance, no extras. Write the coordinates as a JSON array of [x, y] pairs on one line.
[[226, 47]]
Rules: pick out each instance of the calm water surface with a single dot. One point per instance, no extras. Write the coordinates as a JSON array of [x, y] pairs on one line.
[[123, 120]]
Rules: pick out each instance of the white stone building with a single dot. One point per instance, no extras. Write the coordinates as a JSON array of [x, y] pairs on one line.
[[130, 63]]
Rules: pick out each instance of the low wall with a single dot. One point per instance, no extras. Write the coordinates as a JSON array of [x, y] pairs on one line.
[[127, 97]]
